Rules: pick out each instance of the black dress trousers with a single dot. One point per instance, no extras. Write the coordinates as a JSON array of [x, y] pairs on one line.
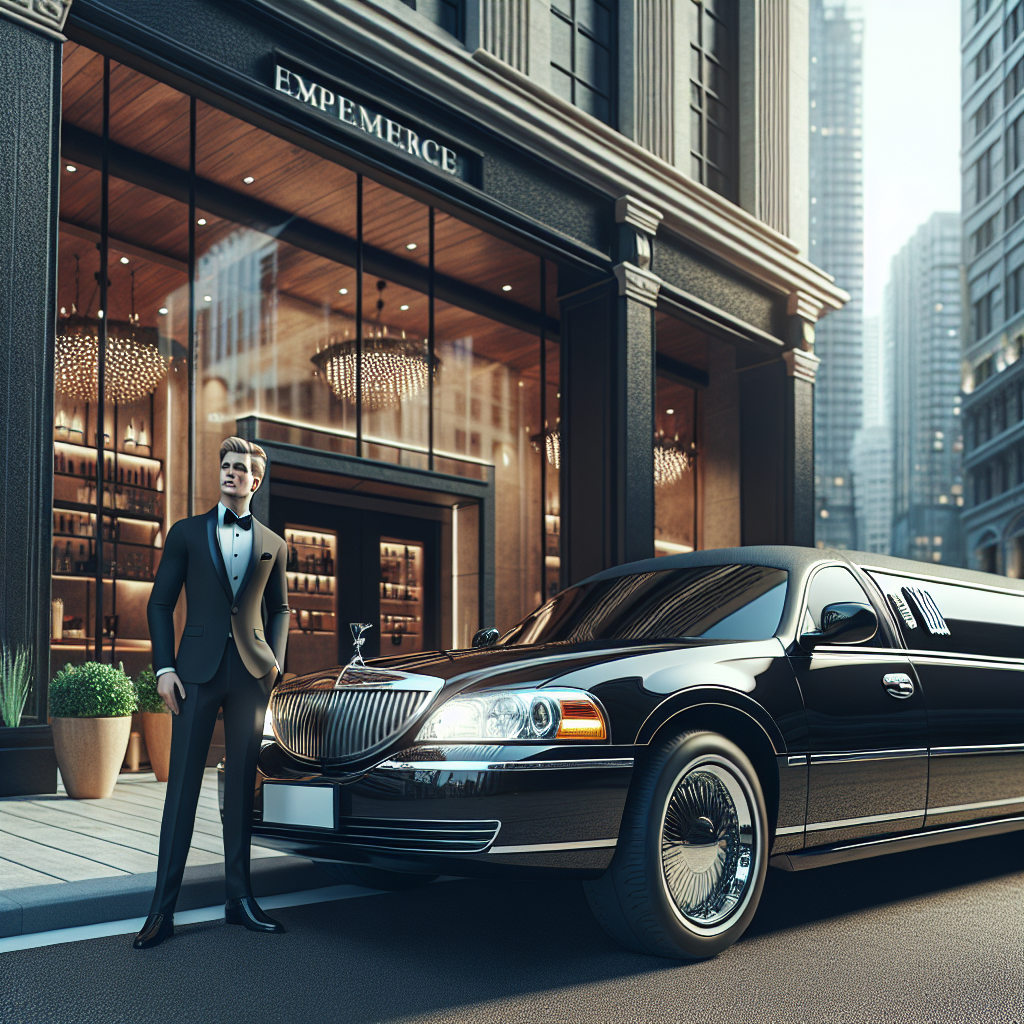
[[244, 699]]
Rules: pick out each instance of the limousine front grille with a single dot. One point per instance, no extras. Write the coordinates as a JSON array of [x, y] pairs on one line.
[[411, 835], [324, 725]]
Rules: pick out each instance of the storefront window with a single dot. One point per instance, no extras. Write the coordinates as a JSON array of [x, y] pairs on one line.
[[278, 287]]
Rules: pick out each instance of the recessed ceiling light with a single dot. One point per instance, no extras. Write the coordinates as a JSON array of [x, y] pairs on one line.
[[248, 179], [207, 298], [343, 291], [71, 167], [670, 412], [124, 259], [411, 245], [163, 311], [506, 287], [202, 220], [403, 307]]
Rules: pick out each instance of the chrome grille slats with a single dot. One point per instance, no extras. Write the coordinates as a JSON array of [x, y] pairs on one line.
[[412, 835], [342, 722]]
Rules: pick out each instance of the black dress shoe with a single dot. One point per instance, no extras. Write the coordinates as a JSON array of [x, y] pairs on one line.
[[157, 928], [246, 912]]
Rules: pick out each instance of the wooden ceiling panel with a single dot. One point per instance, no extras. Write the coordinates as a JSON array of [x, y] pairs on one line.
[[682, 342]]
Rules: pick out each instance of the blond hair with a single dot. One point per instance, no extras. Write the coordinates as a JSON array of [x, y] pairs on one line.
[[239, 444]]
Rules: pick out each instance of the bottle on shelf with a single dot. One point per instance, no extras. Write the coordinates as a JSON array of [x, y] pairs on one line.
[[129, 437], [142, 446], [76, 433]]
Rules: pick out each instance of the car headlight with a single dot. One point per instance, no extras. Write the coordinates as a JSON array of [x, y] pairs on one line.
[[517, 715]]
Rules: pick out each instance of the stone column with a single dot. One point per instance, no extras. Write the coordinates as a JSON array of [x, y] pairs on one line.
[[607, 474], [777, 436], [30, 76]]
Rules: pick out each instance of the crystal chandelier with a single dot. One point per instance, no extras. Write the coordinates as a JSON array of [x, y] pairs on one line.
[[670, 461], [394, 368], [551, 439], [134, 365]]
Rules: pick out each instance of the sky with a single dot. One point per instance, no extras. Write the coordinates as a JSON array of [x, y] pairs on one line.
[[911, 126]]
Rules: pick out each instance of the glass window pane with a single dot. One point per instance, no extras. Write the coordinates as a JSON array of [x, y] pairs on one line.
[[561, 43], [592, 102], [593, 16], [592, 63], [561, 84]]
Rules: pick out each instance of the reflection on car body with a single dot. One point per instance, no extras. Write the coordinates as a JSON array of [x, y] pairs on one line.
[[666, 730]]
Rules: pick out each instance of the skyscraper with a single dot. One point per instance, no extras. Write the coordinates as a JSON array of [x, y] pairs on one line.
[[837, 245], [922, 320], [993, 222], [872, 448]]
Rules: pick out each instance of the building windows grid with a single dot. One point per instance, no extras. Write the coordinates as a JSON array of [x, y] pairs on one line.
[[983, 165], [583, 57]]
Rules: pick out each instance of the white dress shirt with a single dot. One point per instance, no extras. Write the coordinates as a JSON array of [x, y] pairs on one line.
[[236, 550]]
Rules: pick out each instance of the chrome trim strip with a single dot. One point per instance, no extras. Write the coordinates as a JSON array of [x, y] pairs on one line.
[[868, 755], [589, 844], [904, 574], [502, 766], [789, 830], [869, 819], [938, 658], [980, 805], [984, 748], [797, 760]]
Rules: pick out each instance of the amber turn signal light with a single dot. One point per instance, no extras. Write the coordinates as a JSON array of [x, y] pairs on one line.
[[581, 720]]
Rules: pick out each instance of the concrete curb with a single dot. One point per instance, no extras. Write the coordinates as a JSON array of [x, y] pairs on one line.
[[42, 908]]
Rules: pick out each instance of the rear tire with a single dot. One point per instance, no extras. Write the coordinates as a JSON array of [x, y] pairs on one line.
[[373, 878], [691, 858]]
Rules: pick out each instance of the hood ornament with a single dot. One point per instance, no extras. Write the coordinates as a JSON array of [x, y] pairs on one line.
[[358, 629]]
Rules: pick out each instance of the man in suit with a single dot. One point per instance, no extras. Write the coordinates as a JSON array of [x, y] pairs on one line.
[[231, 652]]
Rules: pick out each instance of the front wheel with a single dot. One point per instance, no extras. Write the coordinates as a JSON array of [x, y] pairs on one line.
[[373, 878], [691, 858]]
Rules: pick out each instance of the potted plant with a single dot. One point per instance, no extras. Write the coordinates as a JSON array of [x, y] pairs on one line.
[[27, 762], [91, 709], [156, 723]]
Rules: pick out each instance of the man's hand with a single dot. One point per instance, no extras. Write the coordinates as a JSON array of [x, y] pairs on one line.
[[169, 686]]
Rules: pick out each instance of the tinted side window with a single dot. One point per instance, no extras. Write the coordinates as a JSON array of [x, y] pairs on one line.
[[979, 621], [834, 585]]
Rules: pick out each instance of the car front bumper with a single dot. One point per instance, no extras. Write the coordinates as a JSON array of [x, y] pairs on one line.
[[469, 810]]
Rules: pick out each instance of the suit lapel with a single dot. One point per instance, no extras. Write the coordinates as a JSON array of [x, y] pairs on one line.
[[215, 555], [254, 558]]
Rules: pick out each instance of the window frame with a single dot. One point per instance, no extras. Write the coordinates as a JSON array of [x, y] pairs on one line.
[[612, 8]]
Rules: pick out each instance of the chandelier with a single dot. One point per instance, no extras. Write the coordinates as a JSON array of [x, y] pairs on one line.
[[134, 365], [551, 439], [670, 461], [394, 368]]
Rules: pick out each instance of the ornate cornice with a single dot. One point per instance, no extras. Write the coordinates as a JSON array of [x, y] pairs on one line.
[[801, 365], [637, 283], [45, 16], [807, 307]]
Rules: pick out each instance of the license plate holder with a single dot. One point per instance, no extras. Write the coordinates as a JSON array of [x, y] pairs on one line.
[[305, 806]]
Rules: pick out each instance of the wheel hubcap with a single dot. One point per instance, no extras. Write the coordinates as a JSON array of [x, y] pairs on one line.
[[707, 844]]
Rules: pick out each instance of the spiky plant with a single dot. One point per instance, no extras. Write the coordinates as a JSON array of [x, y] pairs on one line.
[[15, 683]]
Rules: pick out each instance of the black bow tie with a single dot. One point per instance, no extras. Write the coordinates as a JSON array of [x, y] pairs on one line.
[[245, 522]]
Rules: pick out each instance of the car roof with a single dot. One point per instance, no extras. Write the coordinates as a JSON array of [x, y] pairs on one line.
[[798, 560]]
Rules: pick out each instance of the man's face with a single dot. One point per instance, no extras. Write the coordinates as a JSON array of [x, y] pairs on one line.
[[236, 479]]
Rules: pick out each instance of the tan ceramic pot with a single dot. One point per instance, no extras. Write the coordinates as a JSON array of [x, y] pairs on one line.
[[156, 727], [90, 752]]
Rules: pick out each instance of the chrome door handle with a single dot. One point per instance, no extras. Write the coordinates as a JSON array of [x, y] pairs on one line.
[[898, 684]]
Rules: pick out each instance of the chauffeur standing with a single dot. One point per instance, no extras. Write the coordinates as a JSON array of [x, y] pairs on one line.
[[231, 652]]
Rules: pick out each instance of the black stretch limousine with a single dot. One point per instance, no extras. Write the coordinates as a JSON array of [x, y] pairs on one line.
[[666, 730]]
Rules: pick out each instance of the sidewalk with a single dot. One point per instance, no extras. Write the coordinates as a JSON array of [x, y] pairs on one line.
[[66, 863]]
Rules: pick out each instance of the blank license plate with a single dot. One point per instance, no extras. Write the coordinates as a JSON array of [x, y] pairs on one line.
[[311, 806]]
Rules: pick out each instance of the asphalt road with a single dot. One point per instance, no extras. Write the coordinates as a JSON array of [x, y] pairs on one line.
[[934, 935]]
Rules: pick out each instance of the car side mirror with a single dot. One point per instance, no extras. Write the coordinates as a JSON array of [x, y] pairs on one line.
[[485, 637], [846, 623]]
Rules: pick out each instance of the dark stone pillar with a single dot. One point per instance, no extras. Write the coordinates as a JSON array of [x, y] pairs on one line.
[[607, 473], [30, 75], [777, 444]]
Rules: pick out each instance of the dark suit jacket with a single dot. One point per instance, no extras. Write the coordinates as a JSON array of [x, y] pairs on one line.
[[258, 618]]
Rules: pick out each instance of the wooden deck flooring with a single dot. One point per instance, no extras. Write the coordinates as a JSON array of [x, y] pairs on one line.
[[50, 839]]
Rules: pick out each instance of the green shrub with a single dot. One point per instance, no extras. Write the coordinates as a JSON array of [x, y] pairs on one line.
[[145, 692], [15, 683], [91, 690]]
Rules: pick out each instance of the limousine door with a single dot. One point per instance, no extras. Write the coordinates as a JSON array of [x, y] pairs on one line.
[[867, 725], [967, 644]]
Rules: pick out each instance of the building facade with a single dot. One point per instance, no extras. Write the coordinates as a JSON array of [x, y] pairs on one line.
[[837, 244], [993, 243], [871, 458], [922, 323], [509, 291]]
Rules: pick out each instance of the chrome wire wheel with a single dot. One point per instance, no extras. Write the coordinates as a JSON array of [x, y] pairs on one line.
[[709, 845]]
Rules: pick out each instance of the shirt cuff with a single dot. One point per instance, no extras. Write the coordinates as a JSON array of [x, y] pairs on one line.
[[161, 671]]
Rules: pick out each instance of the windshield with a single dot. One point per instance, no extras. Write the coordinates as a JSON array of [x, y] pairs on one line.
[[716, 602]]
